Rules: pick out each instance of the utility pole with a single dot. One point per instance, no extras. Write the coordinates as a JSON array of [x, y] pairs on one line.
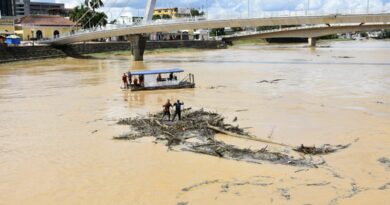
[[368, 6], [308, 7]]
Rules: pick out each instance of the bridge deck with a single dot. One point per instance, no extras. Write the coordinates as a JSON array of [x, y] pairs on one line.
[[189, 25]]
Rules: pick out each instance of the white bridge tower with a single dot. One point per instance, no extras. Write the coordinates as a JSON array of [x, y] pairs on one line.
[[149, 10]]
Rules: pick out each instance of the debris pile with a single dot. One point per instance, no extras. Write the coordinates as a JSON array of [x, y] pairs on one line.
[[196, 133], [324, 149]]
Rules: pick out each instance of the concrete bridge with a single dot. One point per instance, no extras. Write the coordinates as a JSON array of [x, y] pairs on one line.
[[138, 41], [310, 32]]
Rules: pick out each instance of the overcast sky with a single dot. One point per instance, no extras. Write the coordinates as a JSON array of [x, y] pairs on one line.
[[222, 8]]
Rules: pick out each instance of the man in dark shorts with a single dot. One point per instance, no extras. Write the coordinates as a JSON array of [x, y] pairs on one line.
[[177, 105], [167, 110]]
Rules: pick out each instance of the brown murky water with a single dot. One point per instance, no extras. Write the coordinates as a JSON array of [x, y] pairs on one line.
[[58, 117]]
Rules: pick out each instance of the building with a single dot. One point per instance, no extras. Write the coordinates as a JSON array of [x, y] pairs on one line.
[[43, 27], [182, 35], [7, 26], [172, 13], [22, 7], [202, 35], [7, 8], [40, 8], [26, 8], [127, 20]]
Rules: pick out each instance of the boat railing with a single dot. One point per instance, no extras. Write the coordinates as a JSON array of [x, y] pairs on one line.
[[188, 79]]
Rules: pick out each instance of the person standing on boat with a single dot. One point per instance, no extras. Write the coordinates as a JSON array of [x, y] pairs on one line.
[[141, 80], [167, 110], [124, 79], [129, 76], [171, 76], [177, 105]]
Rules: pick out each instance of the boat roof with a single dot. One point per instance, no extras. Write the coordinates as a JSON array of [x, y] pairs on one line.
[[158, 71]]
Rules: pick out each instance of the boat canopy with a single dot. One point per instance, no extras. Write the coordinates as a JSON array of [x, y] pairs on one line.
[[159, 71]]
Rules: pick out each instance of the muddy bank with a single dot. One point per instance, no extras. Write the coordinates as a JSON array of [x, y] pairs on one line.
[[196, 133]]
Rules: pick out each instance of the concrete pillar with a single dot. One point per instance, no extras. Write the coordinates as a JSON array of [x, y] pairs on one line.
[[138, 44], [312, 42]]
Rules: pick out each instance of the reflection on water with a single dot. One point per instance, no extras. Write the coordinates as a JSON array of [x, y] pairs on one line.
[[58, 117]]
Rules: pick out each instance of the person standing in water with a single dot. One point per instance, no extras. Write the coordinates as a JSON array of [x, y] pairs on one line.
[[167, 110], [177, 105]]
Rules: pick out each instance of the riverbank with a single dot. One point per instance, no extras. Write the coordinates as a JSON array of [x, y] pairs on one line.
[[22, 53]]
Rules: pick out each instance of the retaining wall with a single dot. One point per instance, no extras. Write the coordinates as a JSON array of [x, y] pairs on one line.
[[10, 54]]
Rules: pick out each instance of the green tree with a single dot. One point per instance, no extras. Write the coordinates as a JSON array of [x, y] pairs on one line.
[[80, 15], [87, 18], [164, 16], [196, 12], [265, 28], [237, 29], [94, 4], [100, 19], [78, 12], [217, 32]]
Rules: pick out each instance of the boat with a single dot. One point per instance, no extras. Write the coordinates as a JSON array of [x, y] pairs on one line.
[[160, 79]]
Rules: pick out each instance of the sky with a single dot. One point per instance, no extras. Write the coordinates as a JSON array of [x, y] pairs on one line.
[[239, 8]]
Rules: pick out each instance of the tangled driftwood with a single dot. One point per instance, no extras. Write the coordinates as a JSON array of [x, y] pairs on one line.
[[196, 133]]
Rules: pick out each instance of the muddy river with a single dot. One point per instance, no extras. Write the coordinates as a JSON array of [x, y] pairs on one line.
[[58, 117]]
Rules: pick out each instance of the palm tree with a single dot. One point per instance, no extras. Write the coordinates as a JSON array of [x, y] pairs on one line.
[[100, 19], [78, 12], [94, 4], [80, 15]]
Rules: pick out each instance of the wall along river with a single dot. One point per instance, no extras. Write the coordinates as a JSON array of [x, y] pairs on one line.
[[58, 118]]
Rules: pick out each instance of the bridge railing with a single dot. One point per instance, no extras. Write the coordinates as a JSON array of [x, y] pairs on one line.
[[248, 33], [273, 14], [89, 30]]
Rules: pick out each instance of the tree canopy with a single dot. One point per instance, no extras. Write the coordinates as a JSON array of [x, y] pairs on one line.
[[164, 16], [196, 12], [94, 4], [217, 32], [86, 16]]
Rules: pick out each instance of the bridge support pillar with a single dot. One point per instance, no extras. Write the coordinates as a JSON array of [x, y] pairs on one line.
[[138, 44], [312, 42]]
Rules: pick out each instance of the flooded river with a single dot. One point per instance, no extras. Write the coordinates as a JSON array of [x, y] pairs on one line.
[[58, 118]]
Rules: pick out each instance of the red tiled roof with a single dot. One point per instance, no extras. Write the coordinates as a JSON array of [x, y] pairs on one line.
[[46, 21]]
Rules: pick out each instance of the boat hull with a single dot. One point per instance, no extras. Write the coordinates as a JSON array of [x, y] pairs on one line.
[[168, 87]]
